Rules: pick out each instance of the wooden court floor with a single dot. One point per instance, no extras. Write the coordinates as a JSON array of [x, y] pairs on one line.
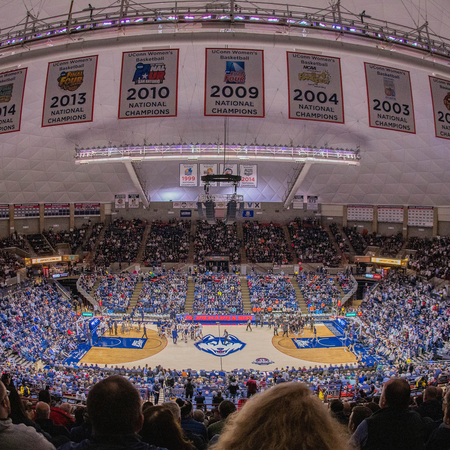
[[334, 355], [259, 343]]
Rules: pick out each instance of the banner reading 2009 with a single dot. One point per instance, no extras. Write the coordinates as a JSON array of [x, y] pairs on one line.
[[315, 88], [234, 82], [12, 85], [389, 98], [149, 83], [440, 95], [69, 91]]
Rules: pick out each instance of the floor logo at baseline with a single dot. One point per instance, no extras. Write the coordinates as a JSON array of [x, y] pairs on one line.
[[120, 342], [217, 347], [320, 342]]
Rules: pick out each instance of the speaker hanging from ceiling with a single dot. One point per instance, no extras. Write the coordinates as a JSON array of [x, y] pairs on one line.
[[210, 212], [231, 211], [201, 213]]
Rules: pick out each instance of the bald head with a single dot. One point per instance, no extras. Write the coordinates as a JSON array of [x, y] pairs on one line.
[[430, 394], [42, 410], [396, 394]]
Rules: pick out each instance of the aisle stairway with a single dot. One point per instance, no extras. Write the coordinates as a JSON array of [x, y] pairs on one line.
[[189, 296], [100, 237], [135, 296], [87, 234], [300, 298], [352, 250], [190, 258], [94, 288], [336, 283], [247, 305], [334, 243], [289, 243], [141, 250], [240, 235]]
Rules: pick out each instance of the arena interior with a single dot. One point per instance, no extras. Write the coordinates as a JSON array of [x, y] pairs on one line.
[[204, 201]]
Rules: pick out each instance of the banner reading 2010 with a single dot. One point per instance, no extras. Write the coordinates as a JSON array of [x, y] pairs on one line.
[[389, 98], [315, 88], [149, 84], [234, 82], [69, 91]]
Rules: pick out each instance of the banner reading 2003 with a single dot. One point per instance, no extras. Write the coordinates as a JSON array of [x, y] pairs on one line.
[[390, 98], [315, 88], [149, 83], [234, 82], [69, 91], [12, 85]]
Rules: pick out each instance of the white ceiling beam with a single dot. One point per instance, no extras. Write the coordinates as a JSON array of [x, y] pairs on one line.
[[296, 185], [136, 182]]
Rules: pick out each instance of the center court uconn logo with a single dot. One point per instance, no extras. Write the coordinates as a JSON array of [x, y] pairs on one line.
[[216, 346]]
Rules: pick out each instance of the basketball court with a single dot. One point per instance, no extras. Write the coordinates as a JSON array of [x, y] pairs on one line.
[[255, 349]]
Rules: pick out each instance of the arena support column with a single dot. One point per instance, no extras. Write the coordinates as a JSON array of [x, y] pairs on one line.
[[375, 219], [41, 218], [344, 216], [72, 216], [11, 219], [405, 223]]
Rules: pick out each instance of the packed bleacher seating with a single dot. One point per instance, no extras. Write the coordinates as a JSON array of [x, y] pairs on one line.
[[167, 242], [360, 241], [10, 263], [217, 293], [87, 281], [265, 243], [120, 243], [39, 244], [312, 244], [115, 290], [392, 245], [272, 293], [37, 324], [15, 240], [344, 281], [90, 241], [162, 293], [217, 239], [432, 258], [340, 239], [319, 291], [74, 238], [404, 319]]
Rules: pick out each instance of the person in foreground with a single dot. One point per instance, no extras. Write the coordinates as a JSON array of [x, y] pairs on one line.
[[440, 438], [394, 426], [114, 408], [286, 416], [17, 436]]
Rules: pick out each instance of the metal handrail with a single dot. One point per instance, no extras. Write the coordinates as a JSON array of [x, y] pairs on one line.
[[124, 16], [351, 291]]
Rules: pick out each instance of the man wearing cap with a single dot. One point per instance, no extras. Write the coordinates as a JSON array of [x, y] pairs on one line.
[[187, 421]]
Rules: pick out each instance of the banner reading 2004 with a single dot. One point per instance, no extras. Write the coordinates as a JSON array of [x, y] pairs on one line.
[[69, 91], [390, 98], [234, 82], [315, 88], [12, 85], [149, 83]]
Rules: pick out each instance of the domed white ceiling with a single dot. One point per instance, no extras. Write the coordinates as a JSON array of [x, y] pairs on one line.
[[37, 164]]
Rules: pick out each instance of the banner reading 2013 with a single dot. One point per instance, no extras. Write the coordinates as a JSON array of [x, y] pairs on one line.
[[440, 95], [69, 91], [12, 85], [389, 98], [234, 82], [149, 84], [315, 88]]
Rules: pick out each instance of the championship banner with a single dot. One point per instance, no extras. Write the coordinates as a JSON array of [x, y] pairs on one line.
[[440, 96], [312, 204], [389, 97], [69, 91], [249, 175], [234, 82], [315, 88], [12, 85], [149, 84], [208, 169], [188, 174], [119, 201], [133, 200], [228, 169]]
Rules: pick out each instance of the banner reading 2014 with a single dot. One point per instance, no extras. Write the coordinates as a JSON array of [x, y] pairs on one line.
[[234, 82], [12, 85], [440, 95], [149, 84], [389, 98], [69, 91], [315, 88]]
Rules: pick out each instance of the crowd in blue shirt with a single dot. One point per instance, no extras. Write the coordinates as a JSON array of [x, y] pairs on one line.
[[115, 290]]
